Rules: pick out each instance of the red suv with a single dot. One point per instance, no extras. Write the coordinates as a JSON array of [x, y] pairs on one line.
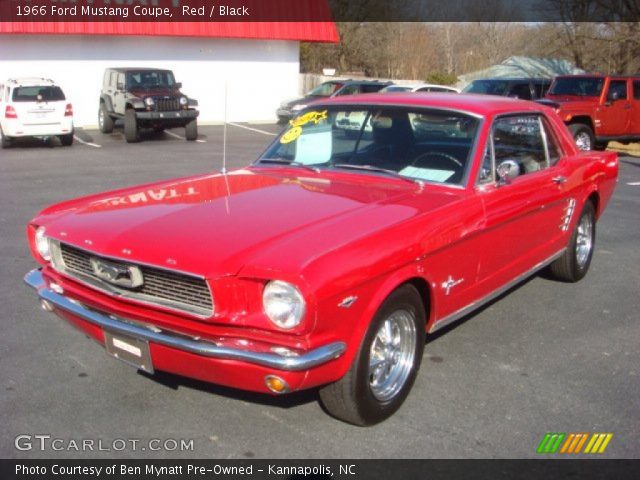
[[597, 108]]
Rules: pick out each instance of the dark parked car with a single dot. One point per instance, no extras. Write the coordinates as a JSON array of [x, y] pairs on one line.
[[145, 98], [333, 88], [524, 88]]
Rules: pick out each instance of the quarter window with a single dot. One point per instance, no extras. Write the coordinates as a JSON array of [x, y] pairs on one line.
[[553, 147], [636, 90]]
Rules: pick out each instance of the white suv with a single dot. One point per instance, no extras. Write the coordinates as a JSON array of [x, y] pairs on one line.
[[34, 107]]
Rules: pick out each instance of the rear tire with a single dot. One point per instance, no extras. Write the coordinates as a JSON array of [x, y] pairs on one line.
[[4, 140], [574, 263], [383, 372], [582, 135], [191, 130], [66, 140], [131, 129], [105, 122]]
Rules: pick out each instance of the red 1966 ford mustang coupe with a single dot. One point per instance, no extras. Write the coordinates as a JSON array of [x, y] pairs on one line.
[[327, 261]]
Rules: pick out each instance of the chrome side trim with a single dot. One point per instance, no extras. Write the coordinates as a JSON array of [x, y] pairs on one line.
[[310, 359], [496, 293]]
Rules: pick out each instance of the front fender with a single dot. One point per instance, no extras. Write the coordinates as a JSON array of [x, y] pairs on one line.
[[350, 323]]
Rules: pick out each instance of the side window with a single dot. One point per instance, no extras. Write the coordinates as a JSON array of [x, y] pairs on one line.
[[617, 90], [121, 79], [553, 146], [350, 90], [1, 92], [519, 139], [371, 88], [540, 89], [521, 90], [636, 89]]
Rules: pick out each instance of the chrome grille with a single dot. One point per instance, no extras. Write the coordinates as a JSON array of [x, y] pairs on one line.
[[167, 104], [166, 288]]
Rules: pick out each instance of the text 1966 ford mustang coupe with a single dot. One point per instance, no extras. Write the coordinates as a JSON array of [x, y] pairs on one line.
[[326, 262]]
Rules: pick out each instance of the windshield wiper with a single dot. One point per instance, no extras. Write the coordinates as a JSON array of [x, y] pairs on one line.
[[371, 168], [284, 161]]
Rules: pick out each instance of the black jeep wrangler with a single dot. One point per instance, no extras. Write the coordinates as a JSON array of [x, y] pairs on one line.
[[145, 98]]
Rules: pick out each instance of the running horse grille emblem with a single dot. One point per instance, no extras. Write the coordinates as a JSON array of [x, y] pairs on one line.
[[121, 275]]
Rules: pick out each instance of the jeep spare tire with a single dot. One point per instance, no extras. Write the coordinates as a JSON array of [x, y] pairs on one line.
[[131, 130]]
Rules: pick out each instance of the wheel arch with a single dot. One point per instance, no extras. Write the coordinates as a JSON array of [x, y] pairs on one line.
[[594, 198], [584, 120], [107, 102], [410, 275]]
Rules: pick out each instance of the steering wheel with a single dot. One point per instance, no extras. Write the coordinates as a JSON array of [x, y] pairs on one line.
[[445, 156]]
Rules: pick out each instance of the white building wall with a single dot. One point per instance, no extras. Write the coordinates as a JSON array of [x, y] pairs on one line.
[[258, 73]]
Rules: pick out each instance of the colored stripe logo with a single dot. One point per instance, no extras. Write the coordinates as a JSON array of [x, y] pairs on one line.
[[574, 443]]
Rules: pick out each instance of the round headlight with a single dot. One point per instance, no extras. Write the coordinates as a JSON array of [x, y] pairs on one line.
[[42, 244], [283, 304], [300, 106], [149, 101], [183, 101]]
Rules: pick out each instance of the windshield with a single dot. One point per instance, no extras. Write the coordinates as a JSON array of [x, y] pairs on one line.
[[580, 86], [326, 89], [38, 94], [489, 87], [150, 79], [419, 144]]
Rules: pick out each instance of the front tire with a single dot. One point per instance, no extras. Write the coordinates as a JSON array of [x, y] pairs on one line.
[[191, 130], [131, 129], [105, 122], [574, 263], [582, 135], [387, 363]]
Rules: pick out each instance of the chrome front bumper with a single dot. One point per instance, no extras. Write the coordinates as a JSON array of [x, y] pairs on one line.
[[310, 359]]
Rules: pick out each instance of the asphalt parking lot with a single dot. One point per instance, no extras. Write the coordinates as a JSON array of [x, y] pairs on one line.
[[547, 357]]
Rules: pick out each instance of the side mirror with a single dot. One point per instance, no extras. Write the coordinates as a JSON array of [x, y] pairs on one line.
[[178, 85], [120, 86], [507, 170], [613, 96]]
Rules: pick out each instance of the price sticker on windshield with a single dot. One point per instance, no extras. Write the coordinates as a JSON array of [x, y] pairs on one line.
[[291, 135], [308, 117]]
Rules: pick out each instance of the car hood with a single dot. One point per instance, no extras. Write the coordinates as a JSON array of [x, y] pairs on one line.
[[572, 100], [154, 92], [215, 224]]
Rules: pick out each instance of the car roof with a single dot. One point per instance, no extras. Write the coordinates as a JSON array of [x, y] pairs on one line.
[[138, 69], [513, 79], [481, 105], [31, 82]]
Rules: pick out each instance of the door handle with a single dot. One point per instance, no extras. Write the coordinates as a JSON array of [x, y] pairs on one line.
[[559, 179], [627, 107]]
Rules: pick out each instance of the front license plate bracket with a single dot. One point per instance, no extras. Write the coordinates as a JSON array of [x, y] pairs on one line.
[[130, 350]]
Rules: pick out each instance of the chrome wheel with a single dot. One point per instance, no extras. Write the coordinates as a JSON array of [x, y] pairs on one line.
[[584, 240], [392, 355], [583, 141]]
